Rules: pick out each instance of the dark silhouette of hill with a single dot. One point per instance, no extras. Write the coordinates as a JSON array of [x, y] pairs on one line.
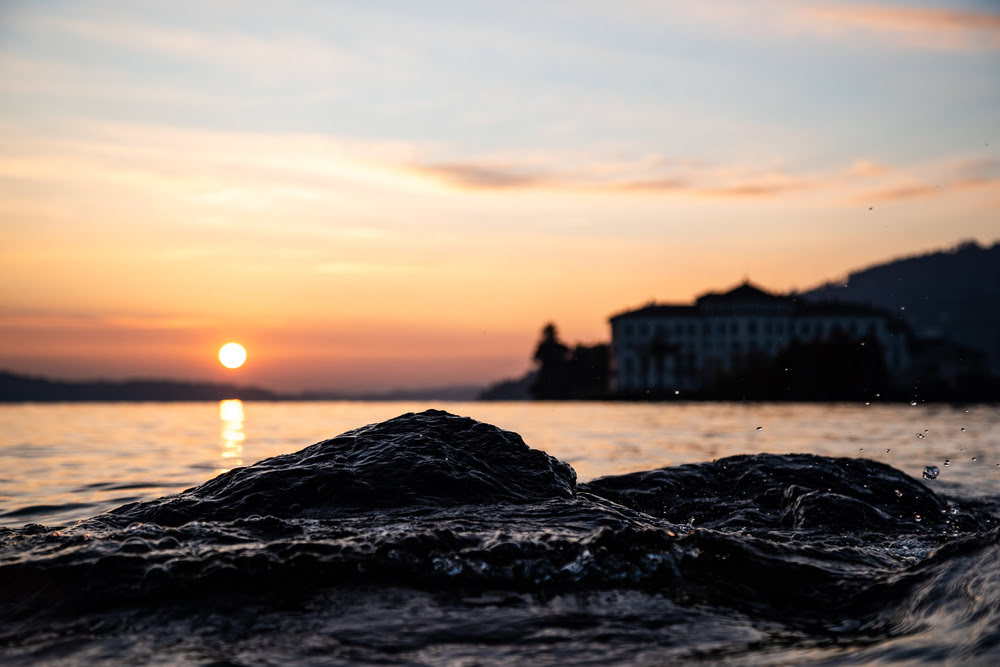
[[21, 388], [514, 389], [948, 294]]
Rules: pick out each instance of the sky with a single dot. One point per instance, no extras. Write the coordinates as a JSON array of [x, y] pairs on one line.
[[370, 195]]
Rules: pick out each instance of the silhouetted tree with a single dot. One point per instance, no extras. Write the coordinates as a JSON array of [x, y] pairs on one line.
[[837, 369], [588, 371], [552, 358], [562, 373]]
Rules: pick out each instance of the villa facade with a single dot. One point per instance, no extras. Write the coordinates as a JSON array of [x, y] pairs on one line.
[[664, 347]]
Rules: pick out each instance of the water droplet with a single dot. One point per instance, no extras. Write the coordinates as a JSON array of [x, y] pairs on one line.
[[917, 517], [920, 435], [867, 403], [973, 458], [877, 395], [931, 472], [899, 494], [677, 392], [862, 449], [913, 402], [760, 428], [947, 462], [888, 451], [963, 429]]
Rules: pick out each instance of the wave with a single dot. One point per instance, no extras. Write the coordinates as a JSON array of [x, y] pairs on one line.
[[497, 553]]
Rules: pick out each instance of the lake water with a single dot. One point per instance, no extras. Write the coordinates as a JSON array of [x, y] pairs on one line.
[[854, 533], [63, 462]]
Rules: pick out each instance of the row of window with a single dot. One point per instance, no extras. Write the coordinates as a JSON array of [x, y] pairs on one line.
[[690, 359], [766, 327]]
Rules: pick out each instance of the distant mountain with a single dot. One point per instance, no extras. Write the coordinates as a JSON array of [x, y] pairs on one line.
[[515, 389], [953, 294], [22, 388]]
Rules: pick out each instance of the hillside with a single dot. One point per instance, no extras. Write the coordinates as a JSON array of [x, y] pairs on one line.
[[951, 293], [18, 388]]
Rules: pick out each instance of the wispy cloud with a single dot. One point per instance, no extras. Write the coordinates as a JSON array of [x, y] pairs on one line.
[[944, 178], [926, 190], [941, 29], [201, 172], [484, 176], [869, 169], [696, 179], [918, 27]]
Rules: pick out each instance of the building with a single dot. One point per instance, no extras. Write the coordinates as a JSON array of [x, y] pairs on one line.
[[662, 347]]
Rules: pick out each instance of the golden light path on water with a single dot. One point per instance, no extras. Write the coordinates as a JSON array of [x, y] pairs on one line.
[[231, 414]]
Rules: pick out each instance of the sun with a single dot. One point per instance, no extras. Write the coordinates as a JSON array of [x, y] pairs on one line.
[[232, 355]]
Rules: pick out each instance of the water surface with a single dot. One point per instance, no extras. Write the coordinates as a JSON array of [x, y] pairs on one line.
[[435, 538], [65, 462]]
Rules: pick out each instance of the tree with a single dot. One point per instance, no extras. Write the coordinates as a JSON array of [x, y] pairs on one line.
[[553, 372]]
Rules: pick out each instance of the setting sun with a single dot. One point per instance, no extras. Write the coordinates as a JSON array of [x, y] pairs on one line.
[[232, 355]]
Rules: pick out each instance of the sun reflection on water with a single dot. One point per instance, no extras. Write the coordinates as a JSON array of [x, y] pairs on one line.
[[231, 414]]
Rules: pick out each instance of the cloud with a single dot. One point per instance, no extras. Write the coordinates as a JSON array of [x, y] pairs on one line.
[[758, 189], [869, 169], [924, 190], [927, 28], [485, 176], [653, 185], [946, 177], [194, 173], [697, 180]]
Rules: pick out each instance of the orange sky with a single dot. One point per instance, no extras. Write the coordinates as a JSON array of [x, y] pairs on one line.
[[370, 204]]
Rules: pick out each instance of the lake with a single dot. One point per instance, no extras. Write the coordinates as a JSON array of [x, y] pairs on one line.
[[852, 534], [60, 463]]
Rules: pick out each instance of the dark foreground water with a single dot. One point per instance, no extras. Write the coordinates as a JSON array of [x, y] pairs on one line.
[[438, 539]]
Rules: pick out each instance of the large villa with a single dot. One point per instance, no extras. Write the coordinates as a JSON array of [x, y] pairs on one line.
[[682, 347]]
